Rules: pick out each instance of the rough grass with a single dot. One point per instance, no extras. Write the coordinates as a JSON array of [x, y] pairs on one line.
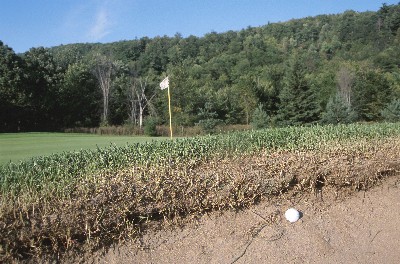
[[117, 203], [22, 146]]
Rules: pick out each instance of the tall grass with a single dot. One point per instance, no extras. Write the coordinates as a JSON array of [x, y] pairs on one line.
[[65, 170]]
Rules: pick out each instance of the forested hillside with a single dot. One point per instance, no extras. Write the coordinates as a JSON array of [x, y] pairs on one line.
[[329, 69]]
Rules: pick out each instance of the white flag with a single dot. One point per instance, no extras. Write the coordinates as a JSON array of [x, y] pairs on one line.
[[164, 84]]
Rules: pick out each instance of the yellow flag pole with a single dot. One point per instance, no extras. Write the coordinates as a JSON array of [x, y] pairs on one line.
[[170, 114], [165, 84]]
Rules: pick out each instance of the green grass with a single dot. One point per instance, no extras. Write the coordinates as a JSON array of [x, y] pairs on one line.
[[22, 146]]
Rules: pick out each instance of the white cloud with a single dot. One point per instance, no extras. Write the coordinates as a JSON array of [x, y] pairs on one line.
[[101, 26], [90, 20]]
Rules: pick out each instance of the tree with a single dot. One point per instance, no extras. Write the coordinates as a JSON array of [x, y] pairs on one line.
[[137, 99], [79, 97], [131, 99], [298, 102], [293, 68], [345, 80], [42, 86], [269, 83], [338, 111], [246, 96], [188, 94], [11, 92], [103, 70], [371, 92], [208, 118]]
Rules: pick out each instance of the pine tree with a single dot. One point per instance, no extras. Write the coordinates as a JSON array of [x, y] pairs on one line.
[[298, 103], [338, 111]]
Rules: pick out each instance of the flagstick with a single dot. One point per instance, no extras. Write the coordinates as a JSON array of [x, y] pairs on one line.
[[170, 115]]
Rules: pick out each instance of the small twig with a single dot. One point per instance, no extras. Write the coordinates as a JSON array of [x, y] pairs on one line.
[[255, 234], [262, 217], [244, 251], [279, 236], [375, 235]]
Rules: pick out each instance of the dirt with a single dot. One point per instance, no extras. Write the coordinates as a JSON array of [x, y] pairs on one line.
[[345, 227]]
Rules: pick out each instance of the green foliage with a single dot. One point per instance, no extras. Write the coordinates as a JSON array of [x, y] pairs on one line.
[[12, 97], [371, 93], [289, 67], [10, 73], [338, 112], [150, 126], [298, 102], [208, 119], [260, 118], [42, 87], [391, 112], [80, 97]]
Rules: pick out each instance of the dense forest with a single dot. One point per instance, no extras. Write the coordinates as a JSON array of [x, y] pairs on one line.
[[326, 69]]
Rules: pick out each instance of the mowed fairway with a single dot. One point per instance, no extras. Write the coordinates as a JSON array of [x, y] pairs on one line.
[[21, 146]]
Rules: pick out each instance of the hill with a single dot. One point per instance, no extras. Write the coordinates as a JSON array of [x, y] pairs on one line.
[[329, 68]]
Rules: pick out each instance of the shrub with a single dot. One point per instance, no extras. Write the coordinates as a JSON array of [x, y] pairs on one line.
[[338, 112], [260, 118], [150, 126], [391, 112], [208, 118]]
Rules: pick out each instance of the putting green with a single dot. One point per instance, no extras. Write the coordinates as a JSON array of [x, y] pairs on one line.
[[21, 146]]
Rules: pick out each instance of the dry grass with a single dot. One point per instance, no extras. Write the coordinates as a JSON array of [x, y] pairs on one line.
[[162, 130]]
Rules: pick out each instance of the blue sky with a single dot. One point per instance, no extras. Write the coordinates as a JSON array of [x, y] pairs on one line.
[[32, 23]]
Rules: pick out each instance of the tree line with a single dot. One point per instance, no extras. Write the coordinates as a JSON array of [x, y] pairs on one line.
[[329, 68]]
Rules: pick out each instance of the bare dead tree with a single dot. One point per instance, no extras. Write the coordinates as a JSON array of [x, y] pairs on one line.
[[138, 101], [345, 79], [132, 102], [143, 102], [103, 71]]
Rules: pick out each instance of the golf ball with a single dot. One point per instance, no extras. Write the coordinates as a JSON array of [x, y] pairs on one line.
[[292, 215]]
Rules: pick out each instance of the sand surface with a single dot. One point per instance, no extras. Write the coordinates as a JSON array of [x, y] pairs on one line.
[[360, 227]]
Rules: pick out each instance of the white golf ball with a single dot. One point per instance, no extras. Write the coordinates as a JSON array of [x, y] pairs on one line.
[[292, 215]]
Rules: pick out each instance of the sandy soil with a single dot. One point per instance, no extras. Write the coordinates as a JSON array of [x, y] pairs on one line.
[[362, 227]]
